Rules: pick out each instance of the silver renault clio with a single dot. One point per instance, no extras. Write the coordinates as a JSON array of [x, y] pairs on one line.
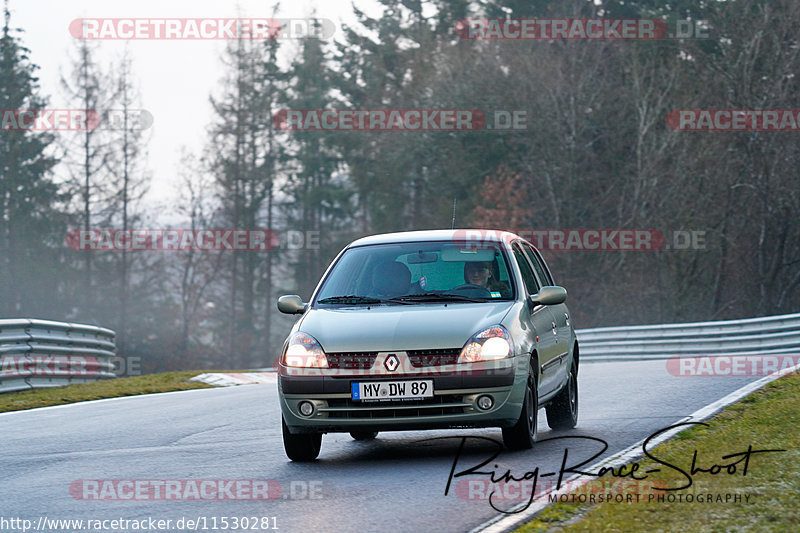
[[429, 330]]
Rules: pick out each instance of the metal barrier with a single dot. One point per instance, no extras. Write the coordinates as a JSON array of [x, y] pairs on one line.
[[768, 335], [41, 353]]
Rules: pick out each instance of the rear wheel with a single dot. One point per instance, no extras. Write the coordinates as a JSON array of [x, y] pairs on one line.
[[301, 447], [563, 412], [522, 435], [363, 435]]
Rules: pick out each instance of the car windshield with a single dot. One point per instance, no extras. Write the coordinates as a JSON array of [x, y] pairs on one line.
[[418, 272]]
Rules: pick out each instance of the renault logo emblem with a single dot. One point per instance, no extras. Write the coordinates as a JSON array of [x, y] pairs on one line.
[[391, 363]]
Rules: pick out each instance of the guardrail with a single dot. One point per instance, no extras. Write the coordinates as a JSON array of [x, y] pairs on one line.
[[41, 353], [769, 335]]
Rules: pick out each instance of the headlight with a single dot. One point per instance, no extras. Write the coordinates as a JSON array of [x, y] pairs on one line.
[[304, 352], [487, 345]]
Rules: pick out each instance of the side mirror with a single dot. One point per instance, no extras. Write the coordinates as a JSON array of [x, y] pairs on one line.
[[549, 295], [291, 304]]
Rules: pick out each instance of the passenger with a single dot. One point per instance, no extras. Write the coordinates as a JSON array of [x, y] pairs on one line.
[[391, 279]]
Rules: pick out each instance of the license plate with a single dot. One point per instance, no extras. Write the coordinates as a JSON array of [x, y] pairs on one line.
[[393, 390]]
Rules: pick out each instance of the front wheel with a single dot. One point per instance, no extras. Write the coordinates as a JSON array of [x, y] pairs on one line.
[[302, 447], [563, 412], [522, 435]]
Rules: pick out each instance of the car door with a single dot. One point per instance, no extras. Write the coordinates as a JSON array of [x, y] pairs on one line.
[[543, 324], [560, 311]]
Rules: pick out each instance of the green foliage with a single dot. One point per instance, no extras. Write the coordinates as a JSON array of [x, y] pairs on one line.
[[766, 419], [110, 388]]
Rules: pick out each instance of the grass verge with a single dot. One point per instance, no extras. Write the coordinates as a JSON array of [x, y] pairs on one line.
[[767, 419], [109, 388]]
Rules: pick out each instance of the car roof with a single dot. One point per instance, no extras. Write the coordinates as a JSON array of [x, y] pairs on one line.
[[471, 234]]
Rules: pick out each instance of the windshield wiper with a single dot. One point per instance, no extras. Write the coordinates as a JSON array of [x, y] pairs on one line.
[[357, 300], [436, 297]]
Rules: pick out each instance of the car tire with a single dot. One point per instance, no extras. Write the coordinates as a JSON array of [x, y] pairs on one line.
[[363, 435], [562, 413], [301, 447], [522, 435]]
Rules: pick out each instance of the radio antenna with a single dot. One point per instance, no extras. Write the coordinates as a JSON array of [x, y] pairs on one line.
[[453, 224]]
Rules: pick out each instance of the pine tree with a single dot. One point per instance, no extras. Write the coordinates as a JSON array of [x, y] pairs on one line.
[[319, 198], [241, 158], [32, 229]]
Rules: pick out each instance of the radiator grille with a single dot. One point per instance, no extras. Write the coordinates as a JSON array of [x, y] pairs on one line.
[[426, 358]]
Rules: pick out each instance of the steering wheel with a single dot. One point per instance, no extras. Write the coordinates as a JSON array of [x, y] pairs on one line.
[[471, 286]]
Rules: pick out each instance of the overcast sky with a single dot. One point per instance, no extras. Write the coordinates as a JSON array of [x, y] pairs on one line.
[[175, 77]]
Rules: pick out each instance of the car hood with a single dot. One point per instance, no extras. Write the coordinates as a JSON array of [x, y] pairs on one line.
[[400, 327]]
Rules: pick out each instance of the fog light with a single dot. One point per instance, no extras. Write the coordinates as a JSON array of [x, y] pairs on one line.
[[306, 408], [485, 402]]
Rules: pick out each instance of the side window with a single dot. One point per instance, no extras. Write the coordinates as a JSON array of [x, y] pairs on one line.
[[527, 274], [538, 264]]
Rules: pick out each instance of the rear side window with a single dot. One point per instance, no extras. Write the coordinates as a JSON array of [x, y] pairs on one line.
[[525, 269]]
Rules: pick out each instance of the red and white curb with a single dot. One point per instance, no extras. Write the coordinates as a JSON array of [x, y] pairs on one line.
[[231, 379]]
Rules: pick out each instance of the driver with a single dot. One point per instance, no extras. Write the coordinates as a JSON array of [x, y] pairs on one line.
[[483, 274]]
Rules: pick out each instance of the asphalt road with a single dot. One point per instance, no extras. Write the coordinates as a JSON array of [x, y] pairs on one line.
[[395, 483]]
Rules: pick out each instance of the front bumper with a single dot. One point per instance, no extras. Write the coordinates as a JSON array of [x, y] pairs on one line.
[[454, 404]]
